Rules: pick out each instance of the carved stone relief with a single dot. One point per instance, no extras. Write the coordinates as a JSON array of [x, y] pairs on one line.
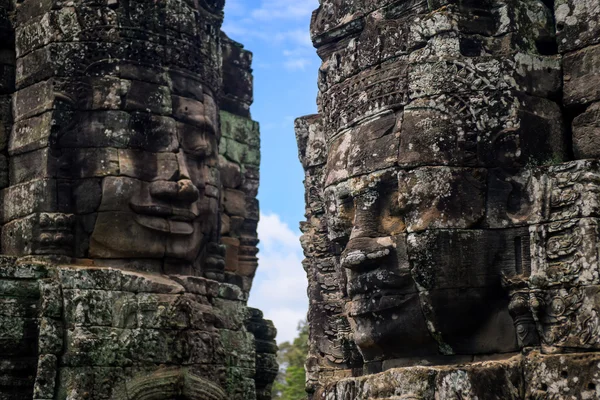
[[129, 170], [451, 175]]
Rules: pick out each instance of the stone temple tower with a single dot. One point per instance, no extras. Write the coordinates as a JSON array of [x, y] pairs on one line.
[[452, 200], [129, 169]]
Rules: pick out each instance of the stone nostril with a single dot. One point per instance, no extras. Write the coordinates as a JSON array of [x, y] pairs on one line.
[[187, 190], [182, 190]]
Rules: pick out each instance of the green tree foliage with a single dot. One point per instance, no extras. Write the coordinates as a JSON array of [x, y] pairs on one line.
[[291, 358]]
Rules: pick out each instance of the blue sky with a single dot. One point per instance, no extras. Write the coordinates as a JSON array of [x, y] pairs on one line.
[[285, 87]]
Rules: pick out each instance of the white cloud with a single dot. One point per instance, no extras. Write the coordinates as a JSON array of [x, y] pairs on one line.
[[296, 64], [280, 284], [276, 235], [297, 59], [276, 22], [286, 322]]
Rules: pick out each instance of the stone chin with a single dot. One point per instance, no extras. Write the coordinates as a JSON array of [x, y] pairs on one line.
[[390, 327]]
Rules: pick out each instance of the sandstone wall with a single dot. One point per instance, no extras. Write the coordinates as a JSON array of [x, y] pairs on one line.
[[129, 170], [451, 200]]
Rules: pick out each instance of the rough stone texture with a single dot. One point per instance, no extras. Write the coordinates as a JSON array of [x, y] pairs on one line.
[[128, 181], [451, 177]]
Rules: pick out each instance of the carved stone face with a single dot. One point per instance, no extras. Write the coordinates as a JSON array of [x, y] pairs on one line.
[[421, 282], [384, 308], [163, 200]]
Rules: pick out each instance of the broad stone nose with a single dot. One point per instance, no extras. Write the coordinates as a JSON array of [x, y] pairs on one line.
[[181, 190], [366, 216], [366, 253]]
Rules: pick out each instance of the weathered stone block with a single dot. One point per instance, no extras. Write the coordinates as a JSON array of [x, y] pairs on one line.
[[472, 250], [90, 163], [90, 278], [544, 194], [231, 312], [151, 98], [586, 133], [106, 243], [418, 381], [374, 145], [39, 233], [38, 164], [34, 100], [560, 376], [147, 166], [576, 24], [240, 129], [48, 28], [38, 132], [11, 268], [184, 84], [50, 336], [45, 381], [582, 76], [198, 285], [231, 173], [235, 203], [535, 75], [189, 111], [21, 200], [234, 151], [237, 78], [85, 307], [149, 283], [310, 136], [506, 377], [109, 93]]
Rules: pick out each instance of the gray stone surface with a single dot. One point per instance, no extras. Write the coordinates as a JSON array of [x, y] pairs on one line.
[[128, 181], [451, 238]]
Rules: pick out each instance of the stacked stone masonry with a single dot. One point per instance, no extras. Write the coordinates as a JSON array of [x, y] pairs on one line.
[[129, 170], [452, 200]]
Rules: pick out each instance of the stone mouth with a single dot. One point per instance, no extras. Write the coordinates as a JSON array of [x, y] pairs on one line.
[[165, 225], [379, 302], [383, 280], [175, 221], [171, 213]]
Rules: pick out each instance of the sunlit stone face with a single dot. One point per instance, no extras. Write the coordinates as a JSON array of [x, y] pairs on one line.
[[383, 307], [115, 155], [423, 284], [163, 204]]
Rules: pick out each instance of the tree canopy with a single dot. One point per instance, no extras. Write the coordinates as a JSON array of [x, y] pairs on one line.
[[292, 376]]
